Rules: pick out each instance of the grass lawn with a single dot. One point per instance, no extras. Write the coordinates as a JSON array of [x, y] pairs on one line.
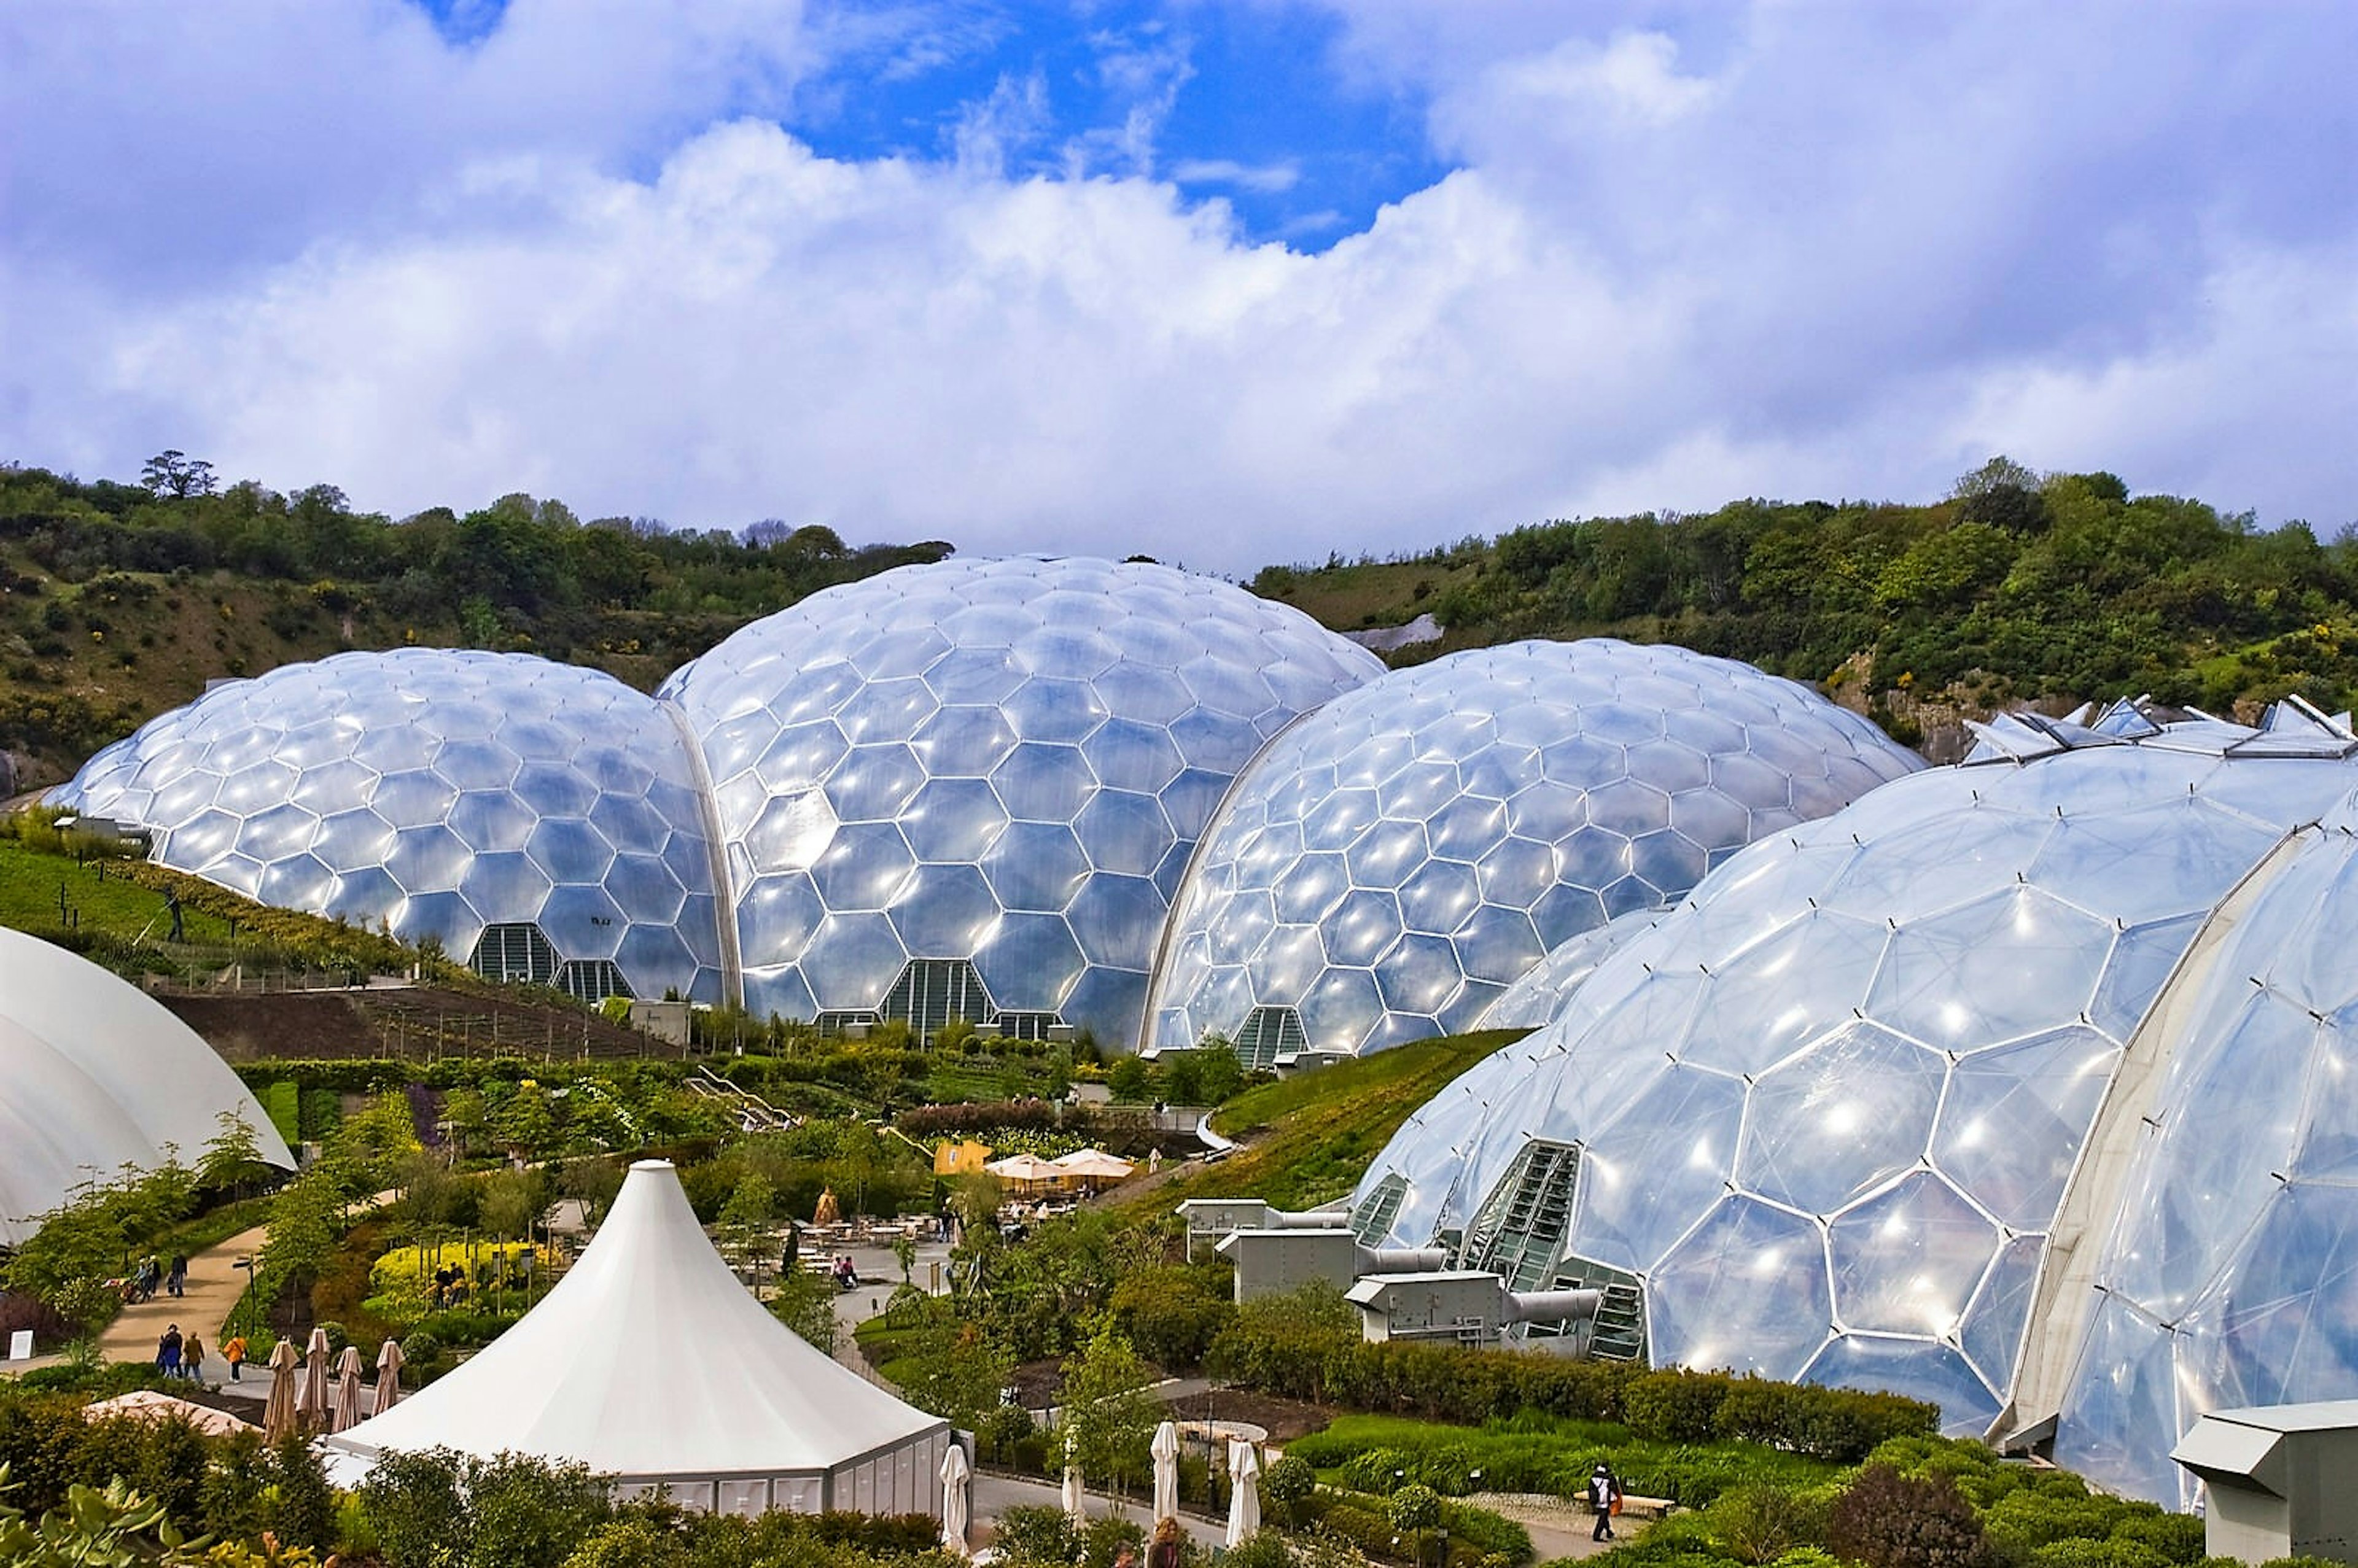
[[1312, 1134], [101, 896]]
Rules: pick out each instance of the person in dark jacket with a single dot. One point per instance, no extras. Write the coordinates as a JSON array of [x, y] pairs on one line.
[[1604, 1492]]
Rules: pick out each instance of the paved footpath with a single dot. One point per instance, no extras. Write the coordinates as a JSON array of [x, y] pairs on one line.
[[212, 1288]]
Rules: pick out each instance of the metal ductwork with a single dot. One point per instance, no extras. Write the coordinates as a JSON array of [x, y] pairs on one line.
[[1398, 1260], [1552, 1306]]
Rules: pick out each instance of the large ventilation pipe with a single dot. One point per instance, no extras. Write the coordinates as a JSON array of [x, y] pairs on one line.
[[1551, 1306], [1399, 1261]]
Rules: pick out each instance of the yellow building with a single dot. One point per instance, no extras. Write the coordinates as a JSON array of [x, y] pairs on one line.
[[960, 1157]]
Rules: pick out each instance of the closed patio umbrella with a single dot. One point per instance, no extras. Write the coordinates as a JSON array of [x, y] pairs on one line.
[[347, 1413], [955, 1475], [1244, 1507], [311, 1403], [278, 1416], [388, 1378], [1165, 1450], [1074, 1493]]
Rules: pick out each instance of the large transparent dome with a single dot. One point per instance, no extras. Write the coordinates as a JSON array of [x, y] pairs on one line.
[[1388, 866], [967, 789], [1817, 1123], [539, 820], [2230, 1274]]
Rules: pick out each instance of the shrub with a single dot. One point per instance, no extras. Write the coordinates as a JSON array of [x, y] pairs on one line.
[[1029, 1535], [2080, 1553], [1289, 1483], [1761, 1523], [304, 1510], [1885, 1519]]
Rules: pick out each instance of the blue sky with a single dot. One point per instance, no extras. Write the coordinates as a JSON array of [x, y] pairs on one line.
[[1250, 104], [1224, 281]]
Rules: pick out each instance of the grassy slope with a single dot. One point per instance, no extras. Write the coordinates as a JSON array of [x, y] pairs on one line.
[[1309, 1137], [100, 895]]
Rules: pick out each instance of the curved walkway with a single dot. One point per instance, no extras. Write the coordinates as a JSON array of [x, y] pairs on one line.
[[213, 1287]]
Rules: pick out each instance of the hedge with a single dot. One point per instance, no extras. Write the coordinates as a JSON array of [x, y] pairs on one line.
[[1444, 1383]]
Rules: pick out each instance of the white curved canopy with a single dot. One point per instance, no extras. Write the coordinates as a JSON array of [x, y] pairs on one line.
[[95, 1074], [650, 1361]]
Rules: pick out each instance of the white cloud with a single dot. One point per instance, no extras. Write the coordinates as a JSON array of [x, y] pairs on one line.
[[1817, 251], [1265, 177]]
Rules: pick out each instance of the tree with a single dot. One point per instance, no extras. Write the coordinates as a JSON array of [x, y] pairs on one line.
[[595, 1183], [1414, 1507], [805, 1302], [512, 1203], [747, 1220], [1289, 1483], [1108, 1413], [1223, 1070], [232, 1160], [467, 1117], [526, 1124], [1182, 1078], [1127, 1080], [174, 473]]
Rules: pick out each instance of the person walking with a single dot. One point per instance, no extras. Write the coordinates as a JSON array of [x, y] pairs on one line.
[[234, 1354], [1166, 1549], [168, 1352], [180, 1278], [1604, 1494], [192, 1359]]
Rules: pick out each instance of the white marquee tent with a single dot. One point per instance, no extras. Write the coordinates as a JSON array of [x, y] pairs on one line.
[[651, 1362], [95, 1074]]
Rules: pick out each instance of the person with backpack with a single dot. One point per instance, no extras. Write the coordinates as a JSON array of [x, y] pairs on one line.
[[1604, 1500], [234, 1354]]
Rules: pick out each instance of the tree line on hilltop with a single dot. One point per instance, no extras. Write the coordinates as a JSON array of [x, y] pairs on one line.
[[2014, 587]]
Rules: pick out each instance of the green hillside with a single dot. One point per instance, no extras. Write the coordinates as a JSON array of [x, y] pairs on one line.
[[118, 602], [1309, 1137], [2017, 587]]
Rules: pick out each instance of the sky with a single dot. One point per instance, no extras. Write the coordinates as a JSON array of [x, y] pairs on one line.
[[1225, 282]]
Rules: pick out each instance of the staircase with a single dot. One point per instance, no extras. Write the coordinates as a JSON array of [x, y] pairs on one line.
[[1519, 1232], [1619, 1333]]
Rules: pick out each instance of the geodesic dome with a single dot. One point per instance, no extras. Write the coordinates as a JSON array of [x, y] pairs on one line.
[[1391, 863], [540, 820], [1819, 1120], [967, 789], [2228, 1275], [1533, 1000]]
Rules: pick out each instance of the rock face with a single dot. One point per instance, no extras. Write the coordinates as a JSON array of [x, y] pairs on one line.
[[1385, 639]]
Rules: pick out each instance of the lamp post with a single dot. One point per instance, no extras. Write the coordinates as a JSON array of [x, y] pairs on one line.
[[252, 1306]]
